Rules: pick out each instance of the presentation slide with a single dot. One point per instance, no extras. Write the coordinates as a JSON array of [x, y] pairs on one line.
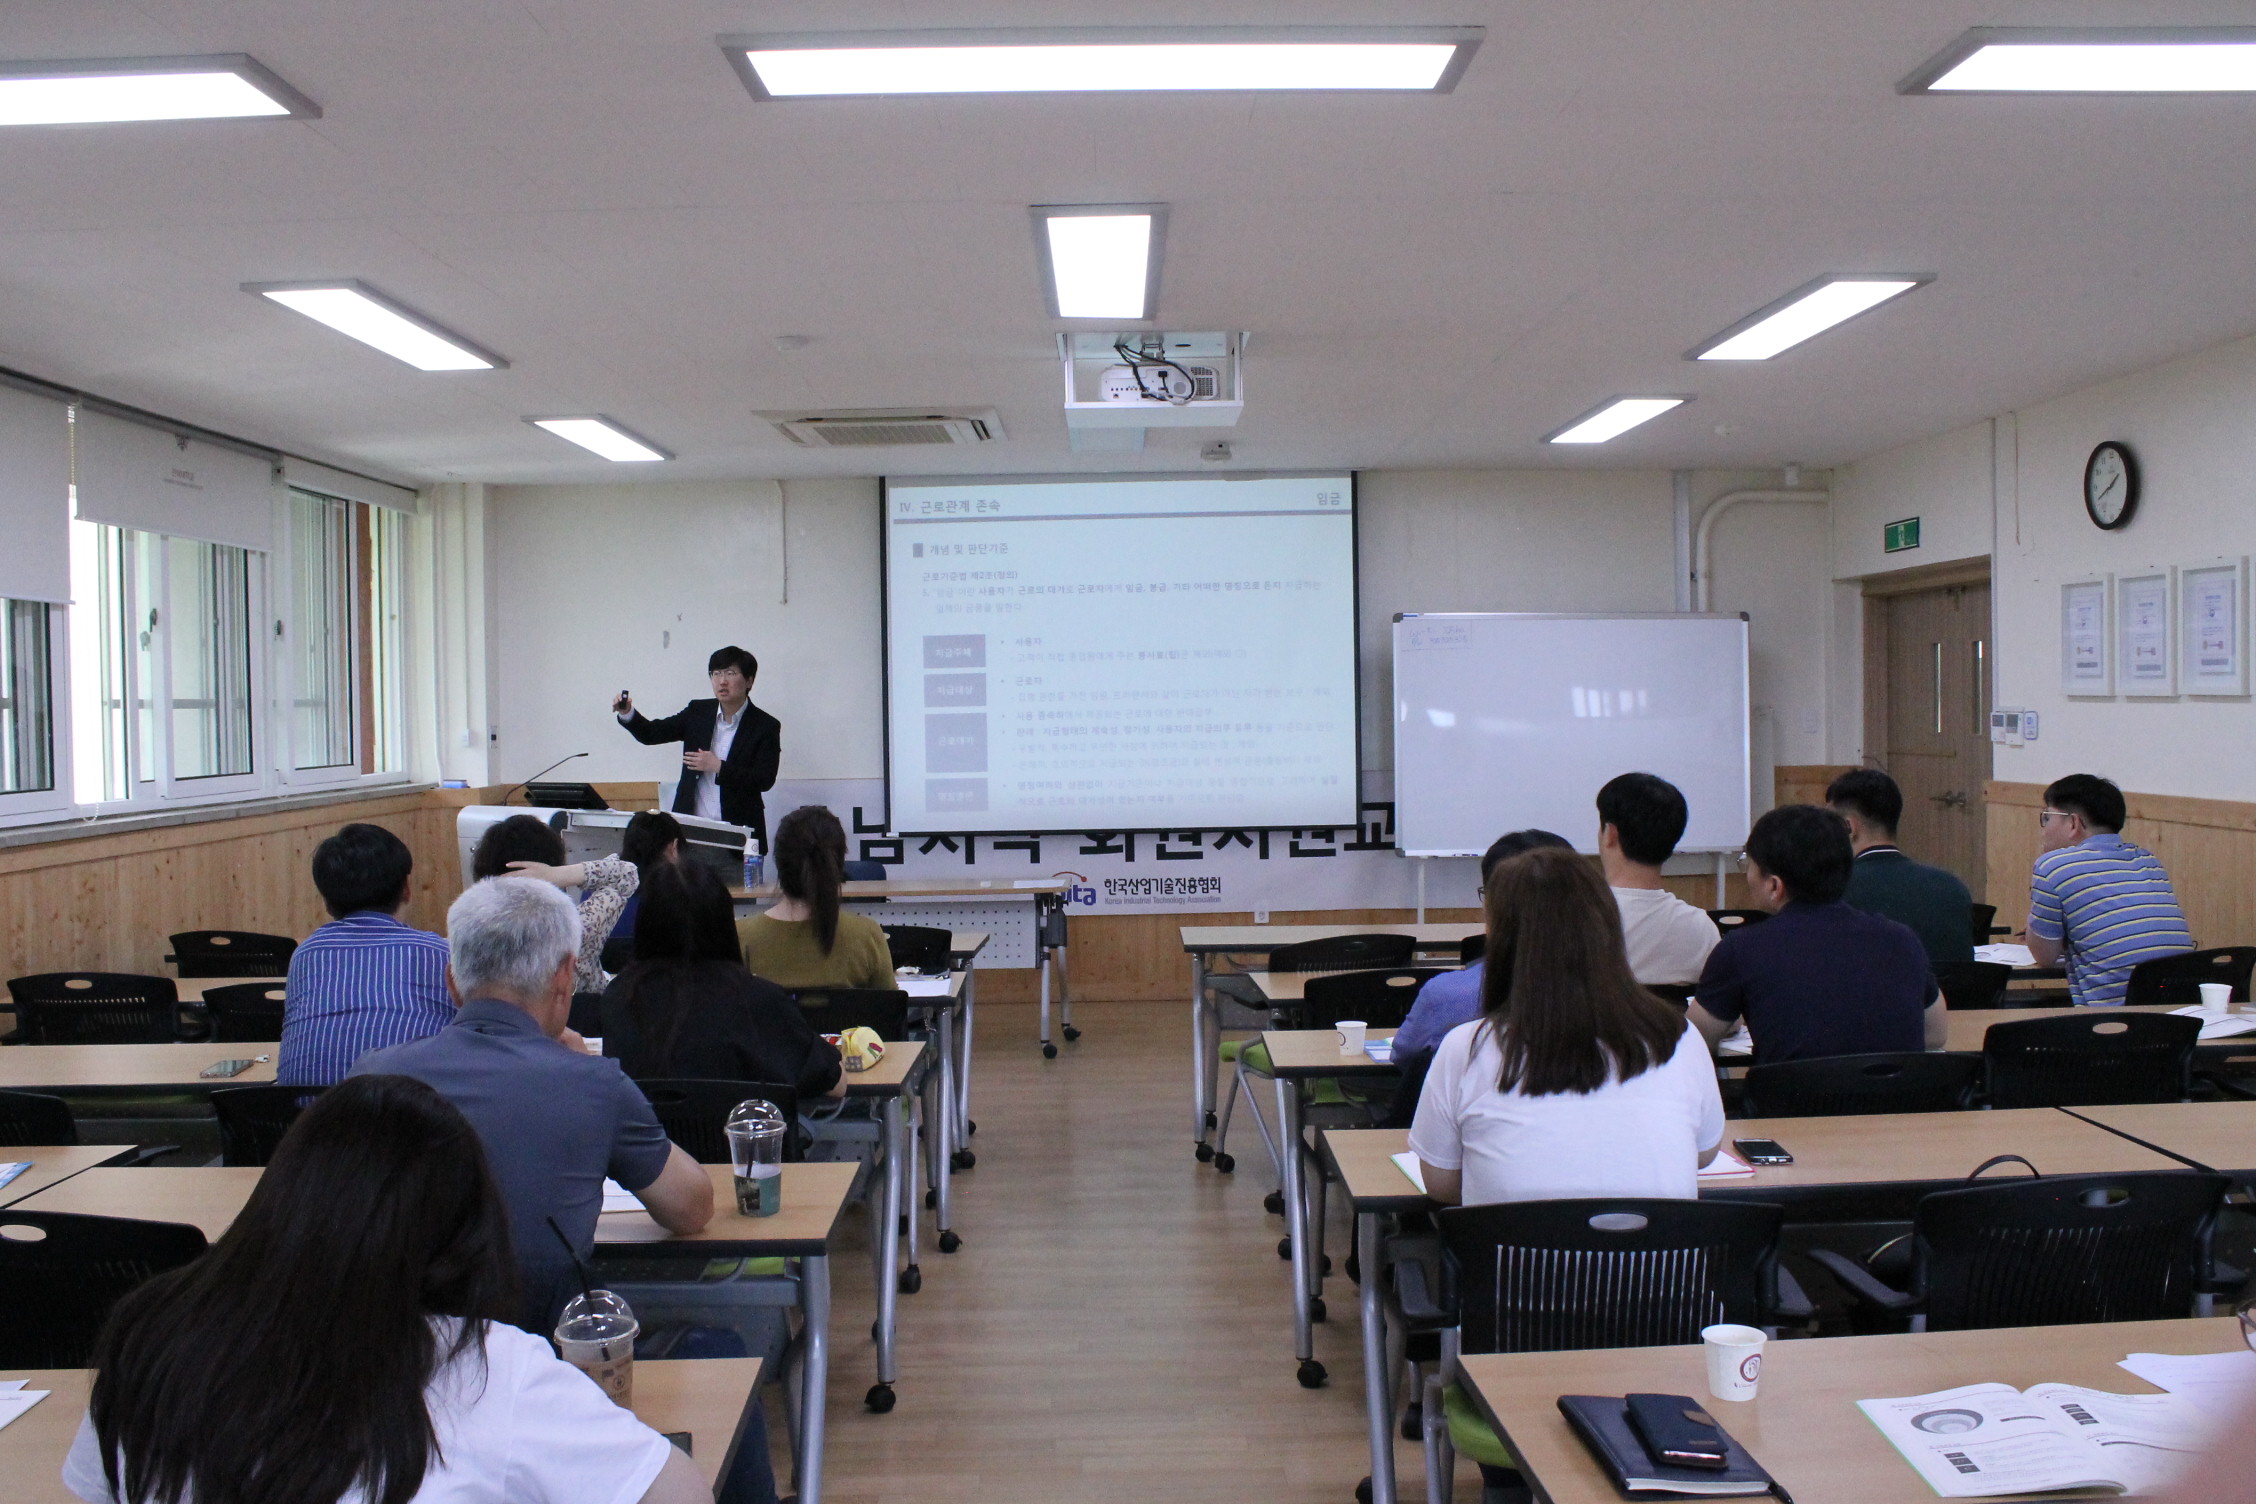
[[1110, 655]]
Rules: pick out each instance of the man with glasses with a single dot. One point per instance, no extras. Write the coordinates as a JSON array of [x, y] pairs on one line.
[[2095, 900]]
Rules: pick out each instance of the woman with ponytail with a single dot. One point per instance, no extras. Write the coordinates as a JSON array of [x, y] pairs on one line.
[[806, 940]]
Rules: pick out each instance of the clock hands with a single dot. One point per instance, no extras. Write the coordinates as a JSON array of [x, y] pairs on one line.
[[2112, 482]]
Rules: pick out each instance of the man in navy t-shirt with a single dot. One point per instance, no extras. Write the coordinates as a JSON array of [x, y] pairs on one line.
[[1817, 978]]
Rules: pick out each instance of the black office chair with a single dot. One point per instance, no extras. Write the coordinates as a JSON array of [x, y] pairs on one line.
[[865, 872], [1667, 993], [1381, 997], [1344, 953], [246, 1013], [95, 1007], [617, 955], [2176, 980], [586, 1017], [30, 1117], [1973, 984], [1472, 948], [254, 1119], [834, 1010], [1728, 920], [695, 1114], [2089, 1058], [1850, 1085], [63, 1273], [1984, 927], [923, 946], [2044, 1252], [231, 953]]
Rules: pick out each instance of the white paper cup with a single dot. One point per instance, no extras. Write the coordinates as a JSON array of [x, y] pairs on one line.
[[1734, 1360], [1351, 1032], [2216, 994]]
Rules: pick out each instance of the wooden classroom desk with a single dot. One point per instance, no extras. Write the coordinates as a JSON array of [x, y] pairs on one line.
[[2206, 1135], [192, 989], [1292, 986], [1203, 942], [52, 1164], [90, 1069], [711, 1399], [1804, 1426]]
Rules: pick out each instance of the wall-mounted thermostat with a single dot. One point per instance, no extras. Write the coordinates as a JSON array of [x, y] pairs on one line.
[[2010, 728]]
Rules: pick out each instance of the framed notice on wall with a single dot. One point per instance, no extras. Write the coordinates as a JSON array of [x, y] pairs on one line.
[[2213, 628], [2087, 664], [2145, 665]]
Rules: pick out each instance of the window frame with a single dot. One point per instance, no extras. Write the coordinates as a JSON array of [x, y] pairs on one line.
[[31, 805], [376, 717]]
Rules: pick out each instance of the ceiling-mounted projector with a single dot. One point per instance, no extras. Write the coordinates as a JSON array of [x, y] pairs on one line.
[[1171, 383], [1144, 378]]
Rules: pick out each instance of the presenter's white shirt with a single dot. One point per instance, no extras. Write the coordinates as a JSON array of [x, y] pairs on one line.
[[526, 1428], [1668, 940], [1640, 1137], [709, 784]]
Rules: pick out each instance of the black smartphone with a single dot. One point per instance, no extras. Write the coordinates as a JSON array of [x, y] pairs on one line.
[[678, 1438], [219, 1070], [1677, 1431], [1762, 1151]]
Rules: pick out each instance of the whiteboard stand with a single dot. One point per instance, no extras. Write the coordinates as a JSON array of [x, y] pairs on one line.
[[1421, 861], [1721, 873]]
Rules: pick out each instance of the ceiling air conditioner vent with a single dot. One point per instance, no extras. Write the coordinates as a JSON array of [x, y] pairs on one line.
[[886, 427]]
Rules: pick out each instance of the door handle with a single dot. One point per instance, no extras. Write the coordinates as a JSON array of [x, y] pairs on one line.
[[1951, 800]]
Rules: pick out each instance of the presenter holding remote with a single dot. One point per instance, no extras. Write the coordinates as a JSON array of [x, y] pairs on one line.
[[729, 745]]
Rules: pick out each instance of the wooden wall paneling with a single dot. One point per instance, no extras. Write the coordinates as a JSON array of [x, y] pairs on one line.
[[1805, 783]]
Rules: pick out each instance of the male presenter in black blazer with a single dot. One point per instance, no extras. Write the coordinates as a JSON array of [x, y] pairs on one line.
[[729, 745]]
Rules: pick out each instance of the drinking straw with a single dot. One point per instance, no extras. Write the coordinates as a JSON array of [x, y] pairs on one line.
[[587, 1286]]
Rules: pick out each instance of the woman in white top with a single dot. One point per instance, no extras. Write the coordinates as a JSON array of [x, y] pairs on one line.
[[1574, 1081], [342, 1342]]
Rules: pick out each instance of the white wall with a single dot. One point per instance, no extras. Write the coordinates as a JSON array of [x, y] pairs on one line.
[[586, 583], [1943, 481]]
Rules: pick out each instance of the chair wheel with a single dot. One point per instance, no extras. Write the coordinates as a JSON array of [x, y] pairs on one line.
[[1204, 1151], [931, 1200], [1049, 1051], [1354, 1269], [1071, 1033], [1316, 1311], [1414, 1422], [970, 1127], [1225, 1162], [1323, 1264], [912, 1280], [875, 1327], [949, 1242], [963, 1159], [1274, 1203], [1363, 1492], [1284, 1248], [1210, 1120], [879, 1399], [1311, 1374]]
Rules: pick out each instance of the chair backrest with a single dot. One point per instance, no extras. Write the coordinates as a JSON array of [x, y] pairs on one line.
[[865, 872], [2073, 1248], [95, 1007], [1344, 953], [1973, 984], [695, 1114], [2091, 1057], [923, 946], [1472, 948], [2177, 979], [834, 1010], [231, 953], [1728, 920], [1848, 1085], [246, 1013], [253, 1119], [63, 1273], [1985, 918], [30, 1117], [1545, 1276], [1381, 999]]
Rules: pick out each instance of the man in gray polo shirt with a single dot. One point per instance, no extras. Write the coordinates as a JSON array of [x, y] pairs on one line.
[[554, 1119]]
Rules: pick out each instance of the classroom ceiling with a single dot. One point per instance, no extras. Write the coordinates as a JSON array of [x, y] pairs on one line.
[[1430, 280]]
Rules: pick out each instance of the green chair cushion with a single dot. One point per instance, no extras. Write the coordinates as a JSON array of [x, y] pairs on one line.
[[1232, 1048], [1253, 1054], [1470, 1434], [1325, 1092]]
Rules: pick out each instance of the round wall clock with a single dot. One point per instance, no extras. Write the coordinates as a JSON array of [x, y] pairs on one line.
[[2111, 486]]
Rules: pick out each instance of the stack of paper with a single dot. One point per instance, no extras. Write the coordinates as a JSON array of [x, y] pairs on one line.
[[1408, 1165], [1989, 1439], [617, 1198], [2220, 1023], [921, 986], [11, 1170], [1725, 1166], [2006, 955], [1737, 1042], [15, 1399], [2221, 1384], [1380, 1050]]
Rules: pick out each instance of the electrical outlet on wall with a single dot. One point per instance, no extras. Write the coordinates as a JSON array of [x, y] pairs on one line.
[[1260, 916]]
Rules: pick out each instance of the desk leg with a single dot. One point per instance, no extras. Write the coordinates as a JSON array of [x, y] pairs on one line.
[[942, 1117], [1378, 1393], [887, 1250], [1202, 1068], [963, 1059], [1042, 966], [814, 1381], [1296, 1223]]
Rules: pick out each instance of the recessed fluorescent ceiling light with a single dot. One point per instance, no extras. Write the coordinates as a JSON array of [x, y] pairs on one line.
[[2032, 60], [355, 308], [230, 86], [602, 436], [806, 66], [1100, 261], [1614, 419], [1801, 313]]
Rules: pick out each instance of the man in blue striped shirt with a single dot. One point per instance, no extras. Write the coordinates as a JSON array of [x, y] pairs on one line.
[[2096, 900], [364, 980]]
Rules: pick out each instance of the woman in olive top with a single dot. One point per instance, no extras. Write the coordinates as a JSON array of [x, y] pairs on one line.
[[805, 940]]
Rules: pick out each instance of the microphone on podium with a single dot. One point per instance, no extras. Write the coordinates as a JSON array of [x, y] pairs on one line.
[[552, 767]]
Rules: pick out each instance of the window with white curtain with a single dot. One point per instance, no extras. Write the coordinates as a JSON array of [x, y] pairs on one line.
[[27, 705]]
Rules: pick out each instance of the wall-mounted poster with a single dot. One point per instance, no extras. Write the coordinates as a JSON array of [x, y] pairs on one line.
[[2145, 666], [2213, 628], [2087, 666]]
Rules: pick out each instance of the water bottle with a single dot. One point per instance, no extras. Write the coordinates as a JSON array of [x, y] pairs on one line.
[[755, 1139], [752, 862]]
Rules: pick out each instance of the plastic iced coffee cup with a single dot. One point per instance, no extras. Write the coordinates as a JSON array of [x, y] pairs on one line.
[[596, 1335]]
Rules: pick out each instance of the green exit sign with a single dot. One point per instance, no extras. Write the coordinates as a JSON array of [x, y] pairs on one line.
[[1898, 536]]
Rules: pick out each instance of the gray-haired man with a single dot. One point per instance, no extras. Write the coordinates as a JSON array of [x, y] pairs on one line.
[[555, 1120]]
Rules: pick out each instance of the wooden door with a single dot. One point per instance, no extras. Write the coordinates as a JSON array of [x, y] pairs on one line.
[[1935, 720]]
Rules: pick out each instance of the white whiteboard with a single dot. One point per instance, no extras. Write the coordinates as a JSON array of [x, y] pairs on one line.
[[1509, 721]]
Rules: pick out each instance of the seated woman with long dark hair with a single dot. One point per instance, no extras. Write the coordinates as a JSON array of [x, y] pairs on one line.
[[348, 1339], [687, 1006], [1575, 1080], [806, 940]]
